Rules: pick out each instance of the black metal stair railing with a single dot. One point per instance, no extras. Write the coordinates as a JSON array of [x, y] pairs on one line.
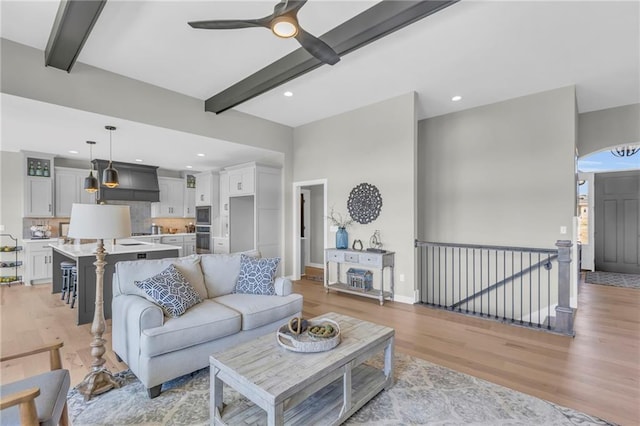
[[510, 284]]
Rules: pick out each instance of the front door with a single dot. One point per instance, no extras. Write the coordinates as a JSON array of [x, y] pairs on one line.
[[617, 222]]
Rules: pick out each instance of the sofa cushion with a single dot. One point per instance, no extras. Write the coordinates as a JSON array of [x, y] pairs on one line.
[[257, 275], [221, 271], [129, 271], [202, 323], [259, 310], [171, 291]]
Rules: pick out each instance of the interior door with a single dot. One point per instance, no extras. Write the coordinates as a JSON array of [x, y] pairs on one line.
[[617, 222]]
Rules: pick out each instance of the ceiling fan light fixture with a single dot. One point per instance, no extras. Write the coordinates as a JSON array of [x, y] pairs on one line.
[[284, 27], [110, 175]]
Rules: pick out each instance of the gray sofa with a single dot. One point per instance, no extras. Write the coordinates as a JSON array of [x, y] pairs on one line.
[[158, 348]]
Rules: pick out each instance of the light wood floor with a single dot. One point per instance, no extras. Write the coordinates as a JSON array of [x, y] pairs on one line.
[[597, 372]]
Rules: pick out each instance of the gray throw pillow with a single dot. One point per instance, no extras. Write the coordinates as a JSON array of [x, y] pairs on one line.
[[171, 291], [256, 275]]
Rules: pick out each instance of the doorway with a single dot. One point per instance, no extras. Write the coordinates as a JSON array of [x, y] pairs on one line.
[[617, 222], [309, 225]]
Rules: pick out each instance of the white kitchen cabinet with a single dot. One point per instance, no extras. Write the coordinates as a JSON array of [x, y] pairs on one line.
[[171, 198], [38, 184], [38, 197], [224, 193], [189, 202], [208, 190], [255, 218], [189, 245], [175, 240], [224, 204], [220, 245], [241, 180], [203, 189], [69, 185], [38, 261]]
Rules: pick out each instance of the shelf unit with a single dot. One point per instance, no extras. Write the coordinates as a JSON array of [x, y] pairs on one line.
[[10, 264]]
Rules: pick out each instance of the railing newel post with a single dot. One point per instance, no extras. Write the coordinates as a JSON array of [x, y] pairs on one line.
[[564, 312]]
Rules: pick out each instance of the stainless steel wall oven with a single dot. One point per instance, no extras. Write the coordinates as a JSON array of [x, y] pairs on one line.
[[203, 240]]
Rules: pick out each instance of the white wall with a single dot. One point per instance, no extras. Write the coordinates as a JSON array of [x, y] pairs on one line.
[[374, 144], [607, 128], [501, 174], [11, 193]]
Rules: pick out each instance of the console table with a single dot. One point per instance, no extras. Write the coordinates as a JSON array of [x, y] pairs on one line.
[[366, 260]]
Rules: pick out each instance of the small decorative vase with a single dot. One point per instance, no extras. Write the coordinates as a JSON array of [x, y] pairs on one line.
[[342, 238]]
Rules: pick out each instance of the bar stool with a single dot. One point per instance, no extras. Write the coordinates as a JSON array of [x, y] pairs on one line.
[[74, 285], [65, 267]]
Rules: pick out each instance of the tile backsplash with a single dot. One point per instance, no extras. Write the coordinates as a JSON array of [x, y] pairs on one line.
[[53, 222]]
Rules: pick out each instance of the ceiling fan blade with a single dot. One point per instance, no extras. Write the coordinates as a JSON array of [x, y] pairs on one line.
[[230, 24], [317, 47], [288, 6]]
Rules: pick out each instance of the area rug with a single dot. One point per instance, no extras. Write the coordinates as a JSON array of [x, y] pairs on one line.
[[423, 394], [613, 279]]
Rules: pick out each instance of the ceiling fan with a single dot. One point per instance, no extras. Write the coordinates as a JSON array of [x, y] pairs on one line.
[[284, 23]]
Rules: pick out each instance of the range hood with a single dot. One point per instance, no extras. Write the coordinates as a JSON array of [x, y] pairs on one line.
[[137, 182]]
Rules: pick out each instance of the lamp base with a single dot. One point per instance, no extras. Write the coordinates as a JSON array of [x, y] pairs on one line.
[[97, 382]]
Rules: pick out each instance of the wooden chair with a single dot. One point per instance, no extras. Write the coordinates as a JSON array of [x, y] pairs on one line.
[[40, 399]]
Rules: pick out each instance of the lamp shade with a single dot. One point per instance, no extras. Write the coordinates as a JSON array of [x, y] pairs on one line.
[[99, 221]]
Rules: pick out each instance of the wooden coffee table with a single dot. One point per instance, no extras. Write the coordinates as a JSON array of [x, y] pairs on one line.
[[302, 388]]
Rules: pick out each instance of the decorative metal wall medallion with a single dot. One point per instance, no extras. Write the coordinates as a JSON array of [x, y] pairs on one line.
[[364, 203]]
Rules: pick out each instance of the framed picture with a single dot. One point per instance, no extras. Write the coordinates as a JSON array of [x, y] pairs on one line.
[[63, 229]]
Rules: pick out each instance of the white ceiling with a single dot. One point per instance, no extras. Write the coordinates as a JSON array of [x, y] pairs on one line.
[[485, 51]]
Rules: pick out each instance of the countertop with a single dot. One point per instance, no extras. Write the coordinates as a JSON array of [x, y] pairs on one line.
[[177, 234], [54, 239], [83, 250]]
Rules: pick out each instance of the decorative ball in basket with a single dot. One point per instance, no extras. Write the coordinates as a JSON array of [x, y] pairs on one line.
[[300, 335]]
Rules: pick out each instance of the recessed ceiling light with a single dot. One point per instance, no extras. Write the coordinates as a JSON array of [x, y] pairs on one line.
[[73, 151], [138, 160], [189, 167], [288, 94], [456, 98], [200, 155]]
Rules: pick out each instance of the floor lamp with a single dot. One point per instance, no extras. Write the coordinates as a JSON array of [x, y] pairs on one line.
[[98, 222]]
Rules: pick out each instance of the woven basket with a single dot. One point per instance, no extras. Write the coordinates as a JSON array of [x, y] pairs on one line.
[[306, 343]]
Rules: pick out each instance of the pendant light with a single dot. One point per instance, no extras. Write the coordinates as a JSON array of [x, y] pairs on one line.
[[91, 182], [110, 175]]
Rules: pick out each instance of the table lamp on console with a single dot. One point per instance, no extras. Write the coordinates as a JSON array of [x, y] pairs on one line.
[[99, 222]]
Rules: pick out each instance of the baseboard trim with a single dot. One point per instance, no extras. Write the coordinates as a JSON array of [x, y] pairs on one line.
[[315, 265], [404, 299]]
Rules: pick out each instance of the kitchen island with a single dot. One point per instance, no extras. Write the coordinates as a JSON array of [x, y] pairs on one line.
[[84, 256]]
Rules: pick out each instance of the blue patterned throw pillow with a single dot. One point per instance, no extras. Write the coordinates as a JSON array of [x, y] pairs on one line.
[[256, 275], [171, 291]]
